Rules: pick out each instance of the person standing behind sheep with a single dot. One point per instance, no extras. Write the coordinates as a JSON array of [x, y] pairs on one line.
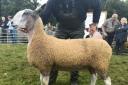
[[108, 28], [70, 15], [93, 32], [4, 29], [12, 30], [121, 35]]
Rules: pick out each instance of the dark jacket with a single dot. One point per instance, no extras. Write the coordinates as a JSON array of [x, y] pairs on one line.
[[71, 13], [121, 33], [4, 25]]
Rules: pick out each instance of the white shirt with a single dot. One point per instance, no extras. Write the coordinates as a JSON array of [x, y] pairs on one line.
[[10, 25], [97, 35]]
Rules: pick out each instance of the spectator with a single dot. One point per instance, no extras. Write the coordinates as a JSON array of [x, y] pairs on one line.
[[121, 35], [4, 29], [12, 30], [49, 29], [94, 33], [108, 28], [86, 33], [70, 15], [0, 26]]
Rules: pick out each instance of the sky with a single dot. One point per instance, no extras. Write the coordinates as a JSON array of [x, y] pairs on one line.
[[42, 1], [122, 0]]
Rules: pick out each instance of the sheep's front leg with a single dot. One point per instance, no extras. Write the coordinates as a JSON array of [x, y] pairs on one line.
[[107, 81], [44, 78], [93, 79]]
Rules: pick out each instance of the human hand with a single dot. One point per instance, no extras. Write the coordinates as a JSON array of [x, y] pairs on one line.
[[105, 34]]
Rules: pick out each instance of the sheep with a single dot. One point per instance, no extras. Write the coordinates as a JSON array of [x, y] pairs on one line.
[[45, 51]]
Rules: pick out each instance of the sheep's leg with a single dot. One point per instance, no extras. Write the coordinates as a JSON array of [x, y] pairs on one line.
[[93, 77], [105, 77], [107, 81], [44, 79], [41, 79]]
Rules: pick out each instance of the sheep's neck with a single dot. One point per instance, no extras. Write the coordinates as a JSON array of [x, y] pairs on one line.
[[37, 31], [38, 27], [30, 35]]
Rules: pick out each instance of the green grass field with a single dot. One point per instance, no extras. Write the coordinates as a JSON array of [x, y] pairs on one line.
[[15, 70]]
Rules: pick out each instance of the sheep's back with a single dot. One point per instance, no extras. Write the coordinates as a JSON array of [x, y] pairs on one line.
[[80, 53]]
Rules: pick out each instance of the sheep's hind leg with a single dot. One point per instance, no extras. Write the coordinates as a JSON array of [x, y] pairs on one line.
[[106, 78], [93, 77], [107, 81], [44, 79]]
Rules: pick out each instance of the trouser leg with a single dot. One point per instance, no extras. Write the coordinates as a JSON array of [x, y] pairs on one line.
[[72, 35], [54, 71], [74, 77], [122, 47], [117, 47], [110, 38], [75, 74], [53, 76]]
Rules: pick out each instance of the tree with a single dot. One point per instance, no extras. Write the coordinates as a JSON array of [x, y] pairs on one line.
[[117, 6], [104, 3], [10, 7], [0, 7]]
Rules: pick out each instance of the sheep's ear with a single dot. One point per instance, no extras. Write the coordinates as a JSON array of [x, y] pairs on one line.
[[37, 10], [35, 15]]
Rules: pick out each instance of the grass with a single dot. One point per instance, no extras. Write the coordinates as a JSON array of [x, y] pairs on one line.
[[15, 70]]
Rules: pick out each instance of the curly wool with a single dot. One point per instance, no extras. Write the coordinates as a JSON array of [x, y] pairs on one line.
[[45, 51]]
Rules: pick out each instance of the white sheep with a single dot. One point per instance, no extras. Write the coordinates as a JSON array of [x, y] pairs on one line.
[[45, 51]]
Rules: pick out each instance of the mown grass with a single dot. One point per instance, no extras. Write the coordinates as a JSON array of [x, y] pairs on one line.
[[15, 70]]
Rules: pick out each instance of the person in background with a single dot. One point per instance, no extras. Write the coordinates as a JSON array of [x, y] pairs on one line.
[[108, 28], [4, 29], [12, 30], [70, 16], [121, 35], [0, 27], [86, 33], [49, 29], [93, 32]]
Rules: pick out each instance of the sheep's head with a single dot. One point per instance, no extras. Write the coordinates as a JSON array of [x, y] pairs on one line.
[[24, 20]]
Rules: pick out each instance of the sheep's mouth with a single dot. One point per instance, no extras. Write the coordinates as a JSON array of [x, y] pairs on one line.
[[23, 30]]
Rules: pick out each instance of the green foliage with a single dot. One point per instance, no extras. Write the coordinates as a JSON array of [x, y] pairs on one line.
[[15, 70], [10, 7], [117, 6]]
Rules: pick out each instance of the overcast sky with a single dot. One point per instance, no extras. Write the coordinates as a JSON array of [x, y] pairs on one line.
[[42, 1]]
